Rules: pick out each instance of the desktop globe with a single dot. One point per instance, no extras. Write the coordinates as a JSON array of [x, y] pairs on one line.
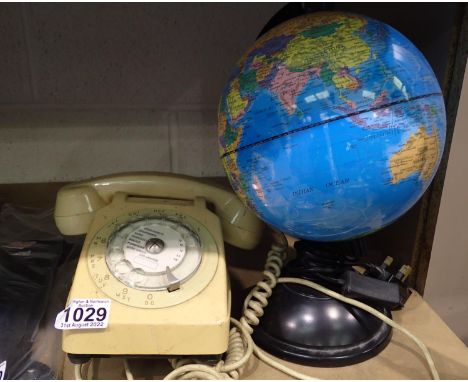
[[331, 126]]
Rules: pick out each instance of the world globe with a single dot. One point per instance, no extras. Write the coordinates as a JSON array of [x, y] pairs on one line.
[[331, 126]]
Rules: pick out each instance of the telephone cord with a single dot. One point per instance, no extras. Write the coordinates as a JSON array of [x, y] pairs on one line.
[[241, 332], [92, 365], [240, 345], [78, 372], [128, 373]]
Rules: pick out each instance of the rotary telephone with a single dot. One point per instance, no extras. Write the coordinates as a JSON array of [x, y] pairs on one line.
[[154, 246]]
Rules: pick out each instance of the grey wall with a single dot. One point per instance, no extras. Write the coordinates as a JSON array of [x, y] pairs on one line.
[[89, 89], [447, 280]]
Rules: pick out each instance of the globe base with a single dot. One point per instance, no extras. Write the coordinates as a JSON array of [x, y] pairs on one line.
[[304, 326]]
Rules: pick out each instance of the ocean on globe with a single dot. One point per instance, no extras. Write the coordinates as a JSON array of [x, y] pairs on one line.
[[331, 126]]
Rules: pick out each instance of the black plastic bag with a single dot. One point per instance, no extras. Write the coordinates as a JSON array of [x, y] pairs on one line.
[[32, 291]]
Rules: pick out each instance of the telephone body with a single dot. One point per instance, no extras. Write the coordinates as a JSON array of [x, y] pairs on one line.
[[156, 250]]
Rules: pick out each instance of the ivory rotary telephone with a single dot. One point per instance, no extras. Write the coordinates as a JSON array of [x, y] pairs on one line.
[[156, 250]]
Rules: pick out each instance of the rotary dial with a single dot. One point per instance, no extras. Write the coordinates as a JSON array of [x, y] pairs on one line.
[[152, 258], [153, 254]]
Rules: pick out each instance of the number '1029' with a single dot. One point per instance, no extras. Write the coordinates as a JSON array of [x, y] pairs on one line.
[[88, 315]]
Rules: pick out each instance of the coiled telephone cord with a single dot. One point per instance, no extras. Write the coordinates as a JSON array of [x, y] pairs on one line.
[[241, 346]]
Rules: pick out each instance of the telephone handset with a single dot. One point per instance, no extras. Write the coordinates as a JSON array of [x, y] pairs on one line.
[[156, 250], [77, 203]]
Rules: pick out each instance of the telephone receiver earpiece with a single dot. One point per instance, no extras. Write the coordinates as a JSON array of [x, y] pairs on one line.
[[77, 203]]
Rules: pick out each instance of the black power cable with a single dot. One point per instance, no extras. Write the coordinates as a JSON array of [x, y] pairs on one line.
[[332, 265]]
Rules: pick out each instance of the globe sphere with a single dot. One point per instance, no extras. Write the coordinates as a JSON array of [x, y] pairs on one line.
[[331, 126]]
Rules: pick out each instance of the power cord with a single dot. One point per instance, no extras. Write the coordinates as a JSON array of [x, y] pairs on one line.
[[376, 313], [78, 372], [241, 346], [92, 365], [128, 373]]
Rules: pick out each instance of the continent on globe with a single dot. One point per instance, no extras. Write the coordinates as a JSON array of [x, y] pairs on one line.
[[288, 85], [344, 80], [235, 178], [345, 49], [418, 155], [235, 103], [230, 137]]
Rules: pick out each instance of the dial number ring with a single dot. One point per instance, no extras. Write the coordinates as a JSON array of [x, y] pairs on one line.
[[198, 277]]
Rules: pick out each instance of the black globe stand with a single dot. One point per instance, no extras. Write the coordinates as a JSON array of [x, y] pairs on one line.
[[292, 10], [304, 326]]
